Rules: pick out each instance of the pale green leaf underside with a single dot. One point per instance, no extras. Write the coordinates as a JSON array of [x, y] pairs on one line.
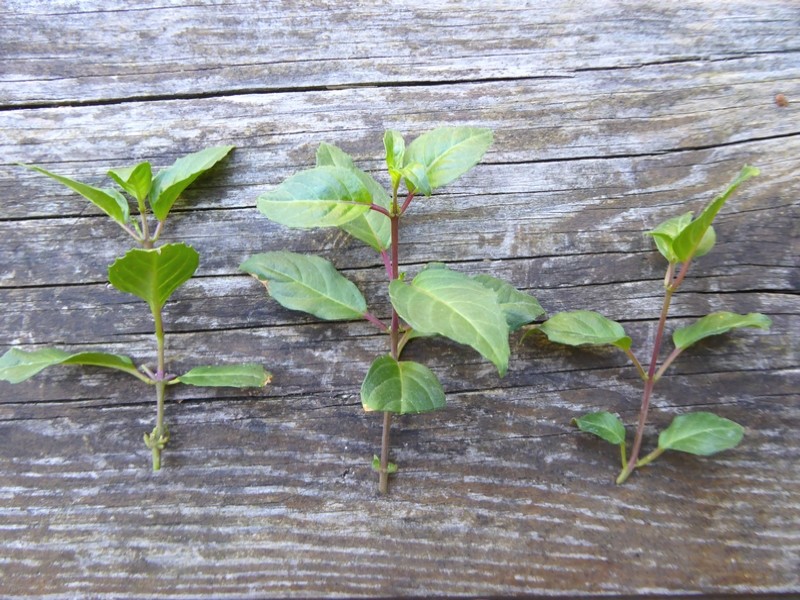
[[169, 183], [519, 308], [376, 465], [135, 180], [238, 376], [448, 152], [110, 201], [307, 283], [153, 275], [580, 327], [701, 433], [18, 365], [604, 425], [321, 197], [715, 324], [401, 387], [451, 304]]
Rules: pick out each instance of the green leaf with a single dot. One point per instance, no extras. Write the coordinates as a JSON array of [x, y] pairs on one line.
[[391, 467], [690, 238], [701, 433], [401, 387], [451, 304], [154, 274], [417, 179], [448, 152], [169, 183], [604, 425], [18, 365], [134, 180], [519, 308], [395, 147], [238, 376], [716, 324], [320, 197], [665, 233], [580, 327], [307, 283], [372, 227], [110, 201]]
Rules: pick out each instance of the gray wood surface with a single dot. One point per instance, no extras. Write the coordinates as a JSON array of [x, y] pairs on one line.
[[608, 118]]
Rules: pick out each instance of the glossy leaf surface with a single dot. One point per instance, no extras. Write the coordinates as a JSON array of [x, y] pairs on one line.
[[110, 201], [448, 152], [701, 433], [238, 376], [451, 304], [153, 275], [135, 180], [715, 324], [169, 183], [518, 307], [580, 327], [401, 387], [18, 365], [307, 283], [604, 425]]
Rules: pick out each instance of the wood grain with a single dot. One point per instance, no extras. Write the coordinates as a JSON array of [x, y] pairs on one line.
[[608, 118]]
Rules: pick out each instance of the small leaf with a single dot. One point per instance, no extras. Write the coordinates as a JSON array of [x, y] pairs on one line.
[[715, 324], [448, 152], [580, 327], [451, 304], [401, 387], [238, 376], [391, 468], [153, 275], [169, 183], [18, 365], [665, 233], [320, 197], [110, 201], [604, 425], [372, 227], [690, 238], [134, 180], [307, 283], [701, 433], [417, 179], [519, 308], [395, 147]]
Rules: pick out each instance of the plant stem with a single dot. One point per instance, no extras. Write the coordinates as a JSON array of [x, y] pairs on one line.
[[672, 356], [160, 434], [650, 457], [636, 363], [146, 242], [375, 321]]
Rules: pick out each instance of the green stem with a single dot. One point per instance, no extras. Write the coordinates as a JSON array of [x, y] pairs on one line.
[[672, 356], [146, 242], [160, 434], [650, 457], [623, 455], [637, 364]]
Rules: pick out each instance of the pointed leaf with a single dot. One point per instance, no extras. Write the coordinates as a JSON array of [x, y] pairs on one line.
[[307, 283], [666, 232], [395, 147], [238, 376], [154, 274], [372, 227], [690, 238], [701, 433], [134, 180], [604, 425], [448, 152], [320, 197], [519, 308], [401, 387], [169, 183], [580, 327], [110, 201], [18, 365], [451, 304], [715, 324], [417, 179]]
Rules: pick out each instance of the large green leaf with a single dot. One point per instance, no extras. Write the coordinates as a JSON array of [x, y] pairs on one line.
[[169, 183], [401, 387], [604, 425], [579, 327], [448, 152], [715, 324], [372, 227], [18, 365], [320, 197], [154, 274], [687, 242], [238, 376], [307, 283], [451, 304], [700, 433], [135, 180], [110, 201], [519, 308]]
